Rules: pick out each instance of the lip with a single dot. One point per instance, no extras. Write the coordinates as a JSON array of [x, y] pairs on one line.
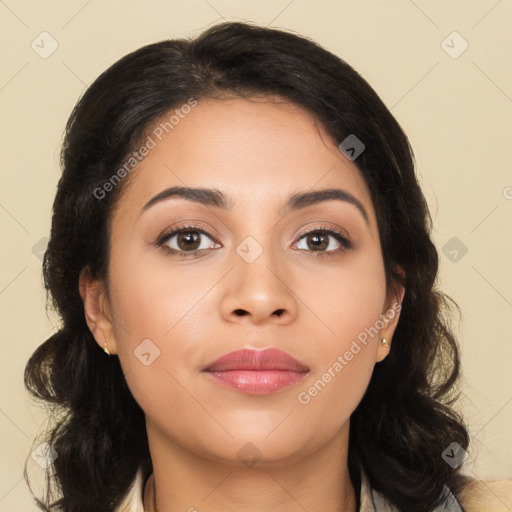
[[257, 372]]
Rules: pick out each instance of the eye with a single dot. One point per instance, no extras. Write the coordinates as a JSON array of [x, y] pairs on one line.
[[319, 241], [186, 241], [190, 240]]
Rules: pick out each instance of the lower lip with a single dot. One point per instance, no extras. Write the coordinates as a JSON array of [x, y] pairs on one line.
[[257, 382]]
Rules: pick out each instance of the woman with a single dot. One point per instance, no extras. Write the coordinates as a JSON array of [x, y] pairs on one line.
[[239, 227]]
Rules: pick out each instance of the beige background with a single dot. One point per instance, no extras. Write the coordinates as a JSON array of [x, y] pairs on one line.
[[456, 111]]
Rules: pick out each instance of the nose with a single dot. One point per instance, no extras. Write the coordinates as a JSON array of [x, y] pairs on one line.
[[259, 292]]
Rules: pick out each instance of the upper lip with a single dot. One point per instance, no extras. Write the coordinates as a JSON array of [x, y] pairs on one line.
[[250, 359]]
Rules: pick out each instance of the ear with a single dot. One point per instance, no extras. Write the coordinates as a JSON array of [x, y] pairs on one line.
[[389, 318], [97, 310]]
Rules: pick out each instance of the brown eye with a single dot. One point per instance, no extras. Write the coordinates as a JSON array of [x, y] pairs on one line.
[[319, 241], [186, 241]]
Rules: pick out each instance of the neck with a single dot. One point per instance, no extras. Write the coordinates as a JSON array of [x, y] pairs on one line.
[[184, 481]]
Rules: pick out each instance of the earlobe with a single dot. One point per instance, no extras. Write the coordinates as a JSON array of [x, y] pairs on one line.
[[97, 310], [389, 320]]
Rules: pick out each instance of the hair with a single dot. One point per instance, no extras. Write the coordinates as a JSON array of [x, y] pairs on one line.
[[406, 418]]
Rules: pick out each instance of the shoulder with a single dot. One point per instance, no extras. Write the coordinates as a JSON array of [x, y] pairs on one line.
[[374, 501], [132, 501], [486, 495]]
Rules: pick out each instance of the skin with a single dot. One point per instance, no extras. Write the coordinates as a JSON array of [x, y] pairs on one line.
[[258, 152]]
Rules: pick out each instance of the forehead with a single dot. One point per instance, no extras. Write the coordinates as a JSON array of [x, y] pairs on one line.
[[257, 151]]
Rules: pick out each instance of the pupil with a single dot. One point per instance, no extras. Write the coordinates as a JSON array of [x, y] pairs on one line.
[[318, 243], [189, 237]]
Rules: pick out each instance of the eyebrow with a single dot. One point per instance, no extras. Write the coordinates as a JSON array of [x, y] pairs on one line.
[[215, 198]]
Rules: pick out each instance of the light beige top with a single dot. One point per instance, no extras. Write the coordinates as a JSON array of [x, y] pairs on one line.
[[371, 500]]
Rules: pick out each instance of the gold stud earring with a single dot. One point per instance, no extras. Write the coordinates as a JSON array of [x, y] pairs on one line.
[[106, 349], [385, 342]]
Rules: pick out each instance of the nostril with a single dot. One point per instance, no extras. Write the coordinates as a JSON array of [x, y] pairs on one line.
[[240, 312]]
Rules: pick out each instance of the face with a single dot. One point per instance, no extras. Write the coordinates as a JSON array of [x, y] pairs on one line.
[[260, 271]]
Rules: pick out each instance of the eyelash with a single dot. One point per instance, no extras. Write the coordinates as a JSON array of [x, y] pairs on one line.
[[343, 240]]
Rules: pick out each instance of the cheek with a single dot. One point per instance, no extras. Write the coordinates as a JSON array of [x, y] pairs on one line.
[[155, 339], [160, 314], [349, 302], [153, 298], [333, 393], [347, 299]]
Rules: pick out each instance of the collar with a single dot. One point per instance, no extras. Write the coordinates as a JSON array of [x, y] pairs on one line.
[[371, 499]]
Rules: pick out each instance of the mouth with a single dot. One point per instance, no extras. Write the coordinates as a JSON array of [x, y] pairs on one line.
[[256, 372]]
